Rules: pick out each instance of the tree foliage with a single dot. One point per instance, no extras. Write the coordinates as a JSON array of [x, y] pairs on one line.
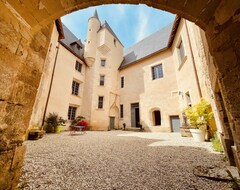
[[200, 114]]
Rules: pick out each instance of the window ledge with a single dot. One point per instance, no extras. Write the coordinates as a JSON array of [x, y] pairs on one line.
[[182, 63], [156, 79], [76, 95], [100, 109]]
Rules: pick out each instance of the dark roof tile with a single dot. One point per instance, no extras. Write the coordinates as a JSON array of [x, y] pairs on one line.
[[156, 42]]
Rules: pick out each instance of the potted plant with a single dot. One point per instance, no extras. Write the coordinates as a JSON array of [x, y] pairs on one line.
[[198, 117], [61, 123], [75, 122], [54, 123]]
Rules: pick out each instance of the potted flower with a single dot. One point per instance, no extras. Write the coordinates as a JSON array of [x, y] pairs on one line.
[[198, 117], [84, 124], [54, 123]]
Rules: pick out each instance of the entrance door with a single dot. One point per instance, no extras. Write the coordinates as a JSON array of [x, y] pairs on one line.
[[112, 122], [157, 118], [135, 116], [175, 123]]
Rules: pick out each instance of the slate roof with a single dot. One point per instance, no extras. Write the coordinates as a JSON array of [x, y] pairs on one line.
[[106, 25], [69, 40], [150, 45]]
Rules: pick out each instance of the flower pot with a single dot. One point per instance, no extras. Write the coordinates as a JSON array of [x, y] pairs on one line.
[[198, 134], [58, 129]]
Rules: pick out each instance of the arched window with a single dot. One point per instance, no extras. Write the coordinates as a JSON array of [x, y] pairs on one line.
[[156, 117]]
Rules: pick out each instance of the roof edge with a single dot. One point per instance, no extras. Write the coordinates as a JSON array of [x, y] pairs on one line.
[[69, 49], [150, 55], [59, 26], [110, 30], [174, 30]]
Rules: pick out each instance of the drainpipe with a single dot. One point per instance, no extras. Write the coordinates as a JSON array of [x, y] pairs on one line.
[[194, 63], [50, 87]]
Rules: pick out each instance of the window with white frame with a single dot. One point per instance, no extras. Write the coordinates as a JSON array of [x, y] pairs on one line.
[[102, 80], [103, 62], [72, 112], [75, 88], [78, 66], [100, 102], [157, 72]]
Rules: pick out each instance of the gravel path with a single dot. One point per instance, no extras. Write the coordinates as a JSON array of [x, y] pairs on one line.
[[117, 160]]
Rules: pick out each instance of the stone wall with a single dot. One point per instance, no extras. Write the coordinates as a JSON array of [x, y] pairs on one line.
[[223, 38], [22, 57]]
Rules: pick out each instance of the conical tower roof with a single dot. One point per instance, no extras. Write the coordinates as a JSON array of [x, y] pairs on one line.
[[95, 14]]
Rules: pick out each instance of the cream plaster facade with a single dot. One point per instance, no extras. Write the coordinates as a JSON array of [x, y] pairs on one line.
[[141, 98]]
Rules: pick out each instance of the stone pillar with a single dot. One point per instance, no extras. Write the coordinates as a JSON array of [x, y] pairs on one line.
[[224, 40], [22, 56]]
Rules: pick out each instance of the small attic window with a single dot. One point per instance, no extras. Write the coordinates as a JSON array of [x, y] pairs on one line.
[[114, 41], [88, 42], [90, 30]]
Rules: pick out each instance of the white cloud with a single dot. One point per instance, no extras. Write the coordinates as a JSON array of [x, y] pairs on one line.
[[142, 25]]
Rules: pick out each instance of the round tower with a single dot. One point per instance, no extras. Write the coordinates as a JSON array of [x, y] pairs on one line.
[[91, 43]]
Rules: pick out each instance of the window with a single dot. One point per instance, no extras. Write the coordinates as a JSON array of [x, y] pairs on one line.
[[78, 66], [103, 62], [100, 102], [181, 51], [121, 111], [75, 88], [157, 72], [122, 82], [102, 78], [188, 99], [114, 41], [72, 112]]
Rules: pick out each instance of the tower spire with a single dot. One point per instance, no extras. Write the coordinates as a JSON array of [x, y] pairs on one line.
[[95, 14]]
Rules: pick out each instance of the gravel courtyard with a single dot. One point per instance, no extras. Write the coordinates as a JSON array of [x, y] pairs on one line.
[[118, 160]]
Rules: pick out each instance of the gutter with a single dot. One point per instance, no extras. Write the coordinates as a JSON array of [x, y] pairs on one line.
[[50, 87], [194, 63]]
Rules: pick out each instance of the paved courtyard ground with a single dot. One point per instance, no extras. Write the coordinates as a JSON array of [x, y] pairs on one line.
[[118, 160]]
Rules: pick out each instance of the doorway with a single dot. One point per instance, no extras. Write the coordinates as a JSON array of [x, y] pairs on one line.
[[156, 117], [175, 123], [112, 123], [135, 115]]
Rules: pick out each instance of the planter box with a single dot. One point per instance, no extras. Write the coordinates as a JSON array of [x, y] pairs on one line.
[[185, 132], [35, 134]]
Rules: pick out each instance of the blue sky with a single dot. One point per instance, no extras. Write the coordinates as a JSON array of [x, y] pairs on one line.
[[131, 23]]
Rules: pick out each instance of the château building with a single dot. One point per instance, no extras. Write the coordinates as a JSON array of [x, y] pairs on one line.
[[150, 83]]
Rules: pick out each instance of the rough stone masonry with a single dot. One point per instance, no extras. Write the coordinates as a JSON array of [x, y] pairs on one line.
[[25, 30]]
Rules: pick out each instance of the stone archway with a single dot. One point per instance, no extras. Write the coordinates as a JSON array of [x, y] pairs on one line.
[[25, 34]]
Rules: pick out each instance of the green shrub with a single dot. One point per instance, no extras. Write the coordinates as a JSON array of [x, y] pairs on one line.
[[216, 144]]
